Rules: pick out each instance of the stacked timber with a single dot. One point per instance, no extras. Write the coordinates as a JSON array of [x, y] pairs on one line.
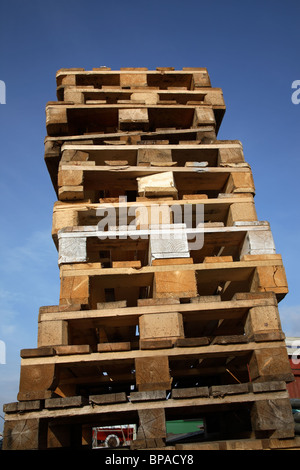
[[169, 283]]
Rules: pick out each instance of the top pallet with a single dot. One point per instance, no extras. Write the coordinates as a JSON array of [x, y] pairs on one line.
[[161, 78]]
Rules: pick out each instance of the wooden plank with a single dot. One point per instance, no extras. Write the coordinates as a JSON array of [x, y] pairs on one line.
[[108, 398], [156, 343], [168, 405], [191, 342], [223, 390], [193, 392], [151, 395], [65, 402], [21, 406], [275, 416], [153, 306], [120, 346], [212, 350], [66, 350]]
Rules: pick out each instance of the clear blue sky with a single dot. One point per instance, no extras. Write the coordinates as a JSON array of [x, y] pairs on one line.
[[250, 49]]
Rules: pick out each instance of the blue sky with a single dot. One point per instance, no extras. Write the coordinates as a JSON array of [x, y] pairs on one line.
[[250, 51]]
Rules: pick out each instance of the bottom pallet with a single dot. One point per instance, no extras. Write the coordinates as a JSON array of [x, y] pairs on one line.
[[234, 417]]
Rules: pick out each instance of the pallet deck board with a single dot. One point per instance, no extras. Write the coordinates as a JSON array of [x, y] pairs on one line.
[[136, 406]]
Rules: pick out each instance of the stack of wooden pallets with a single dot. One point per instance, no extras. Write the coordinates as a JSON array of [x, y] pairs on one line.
[[168, 308]]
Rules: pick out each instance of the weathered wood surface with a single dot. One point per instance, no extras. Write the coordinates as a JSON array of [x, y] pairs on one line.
[[211, 350], [199, 402]]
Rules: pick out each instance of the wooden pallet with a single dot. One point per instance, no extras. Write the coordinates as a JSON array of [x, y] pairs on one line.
[[264, 411], [147, 330], [221, 154], [162, 78], [68, 119]]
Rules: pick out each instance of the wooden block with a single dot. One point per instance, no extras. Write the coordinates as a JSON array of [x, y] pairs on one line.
[[242, 211], [200, 77], [203, 115], [161, 326], [21, 435], [144, 97], [193, 392], [148, 156], [66, 402], [217, 391], [108, 398], [152, 424], [73, 95], [270, 364], [133, 119], [151, 395], [262, 321], [65, 218], [152, 373], [159, 184], [241, 182], [174, 283], [258, 242], [74, 290], [128, 80], [70, 177], [76, 156], [52, 333], [56, 118], [272, 278], [173, 244], [72, 250], [230, 155], [37, 382], [273, 415], [73, 349], [156, 343], [106, 347]]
